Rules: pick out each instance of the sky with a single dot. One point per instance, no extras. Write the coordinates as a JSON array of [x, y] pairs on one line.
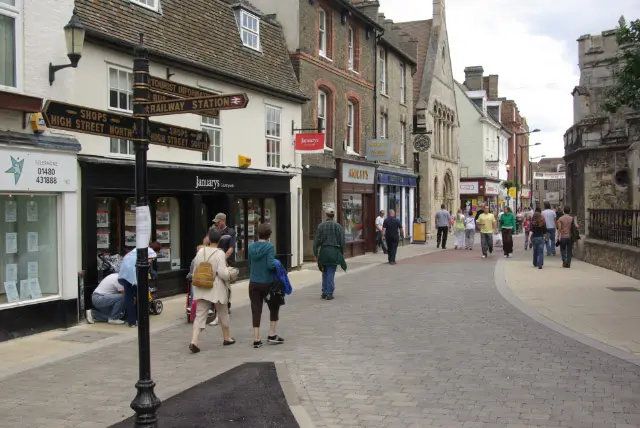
[[530, 44]]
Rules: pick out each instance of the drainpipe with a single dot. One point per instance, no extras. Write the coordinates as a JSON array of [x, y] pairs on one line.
[[377, 37]]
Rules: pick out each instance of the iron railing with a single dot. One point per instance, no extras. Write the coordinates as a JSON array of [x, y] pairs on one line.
[[615, 225]]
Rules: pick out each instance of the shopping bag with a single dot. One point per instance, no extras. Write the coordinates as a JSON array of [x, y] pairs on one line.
[[497, 239]]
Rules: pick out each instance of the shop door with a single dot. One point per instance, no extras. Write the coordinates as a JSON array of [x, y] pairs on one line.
[[368, 221], [212, 205]]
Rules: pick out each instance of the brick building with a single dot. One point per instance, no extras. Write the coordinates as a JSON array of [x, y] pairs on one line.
[[549, 182]]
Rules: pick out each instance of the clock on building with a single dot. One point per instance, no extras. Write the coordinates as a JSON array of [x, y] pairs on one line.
[[421, 142]]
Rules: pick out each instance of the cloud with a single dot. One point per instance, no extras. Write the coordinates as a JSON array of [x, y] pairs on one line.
[[530, 45]]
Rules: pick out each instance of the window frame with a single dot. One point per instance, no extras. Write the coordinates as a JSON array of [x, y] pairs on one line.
[[351, 48], [351, 126], [272, 139], [403, 83], [382, 61], [322, 33], [403, 142], [328, 117], [244, 29], [16, 13], [119, 69], [384, 125], [206, 127], [155, 7]]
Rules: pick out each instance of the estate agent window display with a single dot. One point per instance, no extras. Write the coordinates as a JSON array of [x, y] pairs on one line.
[[251, 212]]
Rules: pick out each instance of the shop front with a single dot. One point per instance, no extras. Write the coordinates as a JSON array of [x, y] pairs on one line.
[[357, 206], [397, 192], [39, 289], [476, 192], [183, 200]]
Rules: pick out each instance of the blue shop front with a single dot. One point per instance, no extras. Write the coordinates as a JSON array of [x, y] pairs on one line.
[[397, 191]]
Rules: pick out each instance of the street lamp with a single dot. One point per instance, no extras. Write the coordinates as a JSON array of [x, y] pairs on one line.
[[74, 33], [520, 147]]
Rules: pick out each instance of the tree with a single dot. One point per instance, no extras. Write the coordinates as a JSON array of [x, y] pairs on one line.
[[508, 184], [626, 91]]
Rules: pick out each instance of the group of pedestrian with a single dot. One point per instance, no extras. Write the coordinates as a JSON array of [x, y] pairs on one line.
[[551, 229]]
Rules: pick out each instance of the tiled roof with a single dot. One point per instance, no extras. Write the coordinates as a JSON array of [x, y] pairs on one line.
[[421, 31], [202, 34], [392, 38]]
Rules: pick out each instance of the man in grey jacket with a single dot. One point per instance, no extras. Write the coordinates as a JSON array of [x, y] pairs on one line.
[[442, 225]]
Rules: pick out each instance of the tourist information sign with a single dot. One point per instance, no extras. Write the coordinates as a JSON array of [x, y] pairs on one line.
[[195, 105], [165, 90]]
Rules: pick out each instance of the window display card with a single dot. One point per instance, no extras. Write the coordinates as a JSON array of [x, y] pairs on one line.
[[102, 218], [32, 242], [267, 214], [129, 238], [32, 270], [251, 230], [102, 240], [130, 218], [32, 211], [163, 217], [10, 211], [11, 289], [175, 264], [143, 226], [11, 272], [164, 255], [34, 288], [25, 290], [163, 236], [11, 243]]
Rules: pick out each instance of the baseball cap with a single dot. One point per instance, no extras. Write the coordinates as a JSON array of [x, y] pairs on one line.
[[219, 217], [329, 211]]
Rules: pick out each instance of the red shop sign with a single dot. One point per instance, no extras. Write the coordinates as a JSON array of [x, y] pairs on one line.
[[310, 143]]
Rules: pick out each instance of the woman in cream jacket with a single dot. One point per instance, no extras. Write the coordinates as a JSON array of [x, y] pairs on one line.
[[219, 294]]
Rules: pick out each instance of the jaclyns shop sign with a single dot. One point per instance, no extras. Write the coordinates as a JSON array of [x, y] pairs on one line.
[[359, 174]]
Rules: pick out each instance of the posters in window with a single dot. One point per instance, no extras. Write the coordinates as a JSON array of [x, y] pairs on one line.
[[102, 240], [130, 218], [11, 243], [267, 214], [32, 242], [32, 211], [32, 270], [164, 255], [11, 290], [175, 264], [10, 211], [25, 289], [129, 238], [102, 218], [251, 230], [34, 288], [11, 272], [163, 217], [163, 236]]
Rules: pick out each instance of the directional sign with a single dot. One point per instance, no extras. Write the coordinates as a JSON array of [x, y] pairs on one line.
[[195, 105], [99, 122], [165, 90]]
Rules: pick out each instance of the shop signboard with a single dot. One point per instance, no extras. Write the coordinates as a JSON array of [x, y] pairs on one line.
[[469, 188], [358, 174], [549, 175], [378, 150], [37, 171], [396, 180], [526, 193], [491, 189], [196, 105], [552, 196], [310, 143], [512, 192]]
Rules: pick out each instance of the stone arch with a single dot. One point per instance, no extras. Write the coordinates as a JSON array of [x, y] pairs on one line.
[[448, 193], [436, 188]]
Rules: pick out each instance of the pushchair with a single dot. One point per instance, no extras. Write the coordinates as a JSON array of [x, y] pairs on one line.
[[109, 264]]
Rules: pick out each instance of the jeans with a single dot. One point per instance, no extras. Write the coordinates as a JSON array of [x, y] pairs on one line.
[[507, 241], [130, 307], [378, 239], [551, 245], [469, 237], [392, 245], [443, 231], [526, 240], [328, 280], [486, 240], [566, 250], [538, 251], [107, 307]]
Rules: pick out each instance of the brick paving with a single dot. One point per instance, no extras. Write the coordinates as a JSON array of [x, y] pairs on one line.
[[426, 343]]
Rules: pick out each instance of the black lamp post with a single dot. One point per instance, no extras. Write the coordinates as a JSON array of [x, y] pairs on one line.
[[517, 165], [74, 33], [533, 199]]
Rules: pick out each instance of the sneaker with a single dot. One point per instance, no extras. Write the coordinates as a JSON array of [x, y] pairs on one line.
[[275, 340], [229, 342], [324, 296], [257, 343], [89, 316], [133, 325], [116, 322], [484, 257], [214, 322], [329, 298]]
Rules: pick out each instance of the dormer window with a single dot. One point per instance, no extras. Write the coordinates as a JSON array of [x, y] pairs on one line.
[[250, 30], [150, 4]]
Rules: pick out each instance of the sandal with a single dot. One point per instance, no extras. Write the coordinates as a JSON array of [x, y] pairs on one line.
[[229, 342], [193, 348]]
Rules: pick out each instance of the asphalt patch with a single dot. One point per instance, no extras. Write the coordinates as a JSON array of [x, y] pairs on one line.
[[246, 396]]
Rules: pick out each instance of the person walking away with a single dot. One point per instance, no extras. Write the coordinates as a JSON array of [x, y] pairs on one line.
[[128, 278], [108, 302], [526, 225], [507, 225], [565, 224], [227, 244], [211, 282], [469, 230], [379, 221], [442, 225], [549, 216], [194, 303], [261, 268], [328, 248], [536, 235], [488, 227], [459, 228], [519, 220], [392, 232]]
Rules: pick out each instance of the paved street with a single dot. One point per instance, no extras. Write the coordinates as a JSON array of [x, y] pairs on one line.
[[429, 342]]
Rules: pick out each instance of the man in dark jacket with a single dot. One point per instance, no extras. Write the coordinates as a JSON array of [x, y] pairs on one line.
[[328, 247], [392, 232], [227, 242]]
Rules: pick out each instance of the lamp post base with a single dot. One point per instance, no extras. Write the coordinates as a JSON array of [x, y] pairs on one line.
[[146, 404]]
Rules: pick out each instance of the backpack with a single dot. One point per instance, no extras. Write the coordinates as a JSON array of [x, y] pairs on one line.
[[204, 274]]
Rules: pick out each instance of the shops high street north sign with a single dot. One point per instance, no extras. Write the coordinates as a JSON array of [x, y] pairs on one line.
[[86, 120], [196, 105]]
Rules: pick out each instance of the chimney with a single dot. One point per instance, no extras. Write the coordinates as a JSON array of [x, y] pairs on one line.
[[492, 86], [473, 77]]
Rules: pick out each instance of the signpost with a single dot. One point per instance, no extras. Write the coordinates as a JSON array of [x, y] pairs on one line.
[[142, 132]]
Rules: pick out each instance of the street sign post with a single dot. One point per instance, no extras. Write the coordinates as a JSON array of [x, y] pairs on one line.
[[70, 117], [195, 105]]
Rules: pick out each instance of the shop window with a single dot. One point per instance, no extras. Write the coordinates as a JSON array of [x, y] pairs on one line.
[[11, 46], [270, 219], [168, 233], [241, 240], [273, 135], [352, 217], [394, 200], [254, 217], [108, 226], [120, 89], [212, 126], [129, 224], [29, 259]]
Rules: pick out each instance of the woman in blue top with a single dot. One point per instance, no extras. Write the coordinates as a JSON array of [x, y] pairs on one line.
[[261, 269]]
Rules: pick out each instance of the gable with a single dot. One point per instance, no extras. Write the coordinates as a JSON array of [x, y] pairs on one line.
[[421, 31]]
